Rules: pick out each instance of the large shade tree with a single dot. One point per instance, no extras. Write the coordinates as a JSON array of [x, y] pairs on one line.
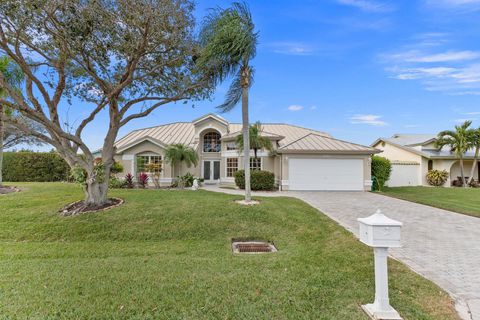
[[459, 141], [13, 76], [229, 44], [125, 58]]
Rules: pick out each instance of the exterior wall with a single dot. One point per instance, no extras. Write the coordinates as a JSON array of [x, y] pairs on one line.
[[285, 157], [404, 175], [127, 159], [394, 153]]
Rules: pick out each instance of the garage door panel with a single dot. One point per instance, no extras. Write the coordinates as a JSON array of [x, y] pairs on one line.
[[325, 174]]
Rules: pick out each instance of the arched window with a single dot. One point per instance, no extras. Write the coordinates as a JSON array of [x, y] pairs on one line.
[[430, 165], [211, 142]]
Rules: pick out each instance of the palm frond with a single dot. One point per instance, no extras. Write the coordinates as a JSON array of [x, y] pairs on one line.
[[233, 96]]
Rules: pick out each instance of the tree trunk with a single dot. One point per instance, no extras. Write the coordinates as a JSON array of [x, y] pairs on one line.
[[246, 134], [96, 193], [2, 132], [474, 165], [464, 184]]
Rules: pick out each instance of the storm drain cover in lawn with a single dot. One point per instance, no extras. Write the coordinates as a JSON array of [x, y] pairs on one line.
[[253, 247]]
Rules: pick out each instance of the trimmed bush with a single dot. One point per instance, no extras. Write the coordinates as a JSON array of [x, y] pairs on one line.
[[437, 178], [259, 179], [34, 166], [381, 170]]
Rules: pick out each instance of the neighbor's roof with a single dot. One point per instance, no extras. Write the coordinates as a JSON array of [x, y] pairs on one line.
[[318, 143], [411, 139], [408, 142]]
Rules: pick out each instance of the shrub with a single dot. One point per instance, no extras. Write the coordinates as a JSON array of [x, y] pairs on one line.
[[437, 178], [143, 179], [259, 179], [185, 181], [129, 181], [115, 183], [34, 167], [381, 170]]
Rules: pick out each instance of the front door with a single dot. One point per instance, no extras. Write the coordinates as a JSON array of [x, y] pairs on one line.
[[211, 171]]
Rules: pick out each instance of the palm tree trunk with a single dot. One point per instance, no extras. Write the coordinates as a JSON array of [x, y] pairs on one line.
[[462, 173], [1, 143], [474, 165], [246, 135]]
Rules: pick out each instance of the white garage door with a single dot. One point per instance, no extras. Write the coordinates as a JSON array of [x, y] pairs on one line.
[[325, 174]]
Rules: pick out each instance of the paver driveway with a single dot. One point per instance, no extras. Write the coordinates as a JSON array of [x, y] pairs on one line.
[[441, 245]]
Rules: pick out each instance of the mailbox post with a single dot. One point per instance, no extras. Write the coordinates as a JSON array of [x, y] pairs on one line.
[[380, 232]]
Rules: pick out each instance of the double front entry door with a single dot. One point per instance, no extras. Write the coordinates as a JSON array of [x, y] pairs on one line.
[[211, 171]]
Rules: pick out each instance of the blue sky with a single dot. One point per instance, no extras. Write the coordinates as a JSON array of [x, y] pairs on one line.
[[358, 69]]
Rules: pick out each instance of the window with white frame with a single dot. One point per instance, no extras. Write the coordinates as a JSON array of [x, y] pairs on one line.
[[231, 145], [211, 142], [255, 163], [232, 166], [144, 160]]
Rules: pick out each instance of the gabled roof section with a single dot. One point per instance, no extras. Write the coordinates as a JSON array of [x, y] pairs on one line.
[[412, 139], [270, 135], [140, 140], [316, 143], [210, 116]]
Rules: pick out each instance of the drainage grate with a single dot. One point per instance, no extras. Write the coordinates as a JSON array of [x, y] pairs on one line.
[[253, 247]]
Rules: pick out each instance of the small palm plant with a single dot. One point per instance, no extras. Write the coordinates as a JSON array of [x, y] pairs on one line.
[[177, 154], [229, 43], [459, 141], [257, 141], [13, 76]]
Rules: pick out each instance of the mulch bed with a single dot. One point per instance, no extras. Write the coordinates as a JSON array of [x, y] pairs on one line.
[[7, 189], [80, 207]]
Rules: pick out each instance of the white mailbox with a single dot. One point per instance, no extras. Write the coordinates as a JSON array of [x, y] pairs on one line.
[[380, 231]]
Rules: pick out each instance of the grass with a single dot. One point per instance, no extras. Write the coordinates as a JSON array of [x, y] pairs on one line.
[[466, 201], [166, 255]]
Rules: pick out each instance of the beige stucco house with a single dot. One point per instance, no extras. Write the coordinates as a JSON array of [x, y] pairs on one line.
[[412, 155], [303, 159]]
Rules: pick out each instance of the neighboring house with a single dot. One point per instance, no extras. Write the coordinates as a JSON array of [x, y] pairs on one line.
[[412, 155], [303, 159]]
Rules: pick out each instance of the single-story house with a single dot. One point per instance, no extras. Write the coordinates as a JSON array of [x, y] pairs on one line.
[[413, 155], [303, 159]]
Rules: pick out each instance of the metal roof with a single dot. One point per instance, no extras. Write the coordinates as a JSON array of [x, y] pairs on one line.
[[294, 137], [318, 143], [408, 142]]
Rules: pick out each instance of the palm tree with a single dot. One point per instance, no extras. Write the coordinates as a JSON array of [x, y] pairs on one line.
[[474, 143], [229, 42], [180, 153], [257, 141], [13, 75], [459, 143]]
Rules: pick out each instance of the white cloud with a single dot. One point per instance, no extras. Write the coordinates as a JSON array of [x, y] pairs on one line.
[[474, 113], [368, 5], [295, 107], [455, 72], [463, 120], [291, 48], [370, 119], [313, 108]]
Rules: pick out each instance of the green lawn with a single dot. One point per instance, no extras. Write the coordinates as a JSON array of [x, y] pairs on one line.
[[166, 255], [466, 201]]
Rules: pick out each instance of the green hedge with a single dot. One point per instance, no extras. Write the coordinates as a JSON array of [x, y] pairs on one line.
[[34, 166], [259, 180], [381, 170]]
